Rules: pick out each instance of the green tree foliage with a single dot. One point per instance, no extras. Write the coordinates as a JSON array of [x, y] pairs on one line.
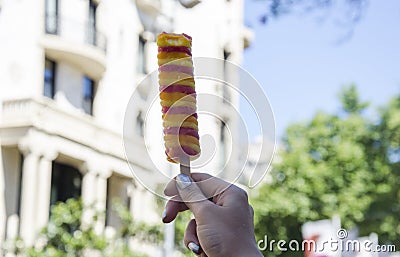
[[351, 103], [341, 164], [180, 226], [67, 236]]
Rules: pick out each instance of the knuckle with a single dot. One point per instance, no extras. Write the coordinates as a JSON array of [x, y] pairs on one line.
[[190, 194], [242, 194]]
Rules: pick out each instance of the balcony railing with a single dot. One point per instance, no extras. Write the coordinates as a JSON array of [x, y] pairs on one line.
[[75, 31], [47, 116]]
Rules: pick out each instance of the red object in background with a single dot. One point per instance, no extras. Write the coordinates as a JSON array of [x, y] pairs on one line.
[[308, 250]]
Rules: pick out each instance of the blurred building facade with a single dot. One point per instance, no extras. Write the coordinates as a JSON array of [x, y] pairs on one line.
[[260, 157], [67, 71]]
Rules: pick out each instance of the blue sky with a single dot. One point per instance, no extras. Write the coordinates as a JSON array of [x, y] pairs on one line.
[[302, 66]]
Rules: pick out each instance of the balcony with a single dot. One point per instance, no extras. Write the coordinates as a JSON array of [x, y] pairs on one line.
[[150, 7], [77, 43], [70, 131]]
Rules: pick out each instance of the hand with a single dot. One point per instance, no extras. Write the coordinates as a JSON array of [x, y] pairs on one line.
[[223, 224]]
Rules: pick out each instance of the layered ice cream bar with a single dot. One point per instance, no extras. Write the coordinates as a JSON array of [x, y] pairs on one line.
[[178, 97]]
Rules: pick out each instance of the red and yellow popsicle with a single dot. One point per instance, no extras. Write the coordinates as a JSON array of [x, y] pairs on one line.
[[178, 97]]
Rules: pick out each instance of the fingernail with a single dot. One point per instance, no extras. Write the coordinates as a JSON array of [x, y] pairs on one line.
[[183, 181], [164, 214], [194, 247]]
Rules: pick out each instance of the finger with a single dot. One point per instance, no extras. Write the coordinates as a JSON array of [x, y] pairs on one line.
[[170, 189], [172, 208], [190, 238], [236, 197], [209, 185], [251, 211], [192, 195]]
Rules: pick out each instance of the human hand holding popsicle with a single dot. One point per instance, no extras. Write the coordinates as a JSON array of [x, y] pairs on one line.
[[223, 226]]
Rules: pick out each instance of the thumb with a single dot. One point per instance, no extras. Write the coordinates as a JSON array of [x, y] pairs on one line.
[[191, 194]]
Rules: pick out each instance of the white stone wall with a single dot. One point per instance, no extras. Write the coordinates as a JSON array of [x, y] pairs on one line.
[[69, 86], [119, 21], [73, 19], [20, 63]]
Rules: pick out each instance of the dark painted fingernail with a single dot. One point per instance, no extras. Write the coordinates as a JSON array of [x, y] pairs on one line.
[[194, 247], [183, 181]]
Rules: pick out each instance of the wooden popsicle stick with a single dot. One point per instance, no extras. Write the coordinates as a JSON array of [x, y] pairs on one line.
[[185, 164]]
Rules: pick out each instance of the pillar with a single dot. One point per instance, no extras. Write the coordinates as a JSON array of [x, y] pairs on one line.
[[44, 190], [101, 199], [94, 193], [88, 185], [3, 215], [88, 193], [28, 196]]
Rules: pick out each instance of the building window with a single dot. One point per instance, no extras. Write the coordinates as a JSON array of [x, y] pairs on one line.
[[226, 95], [49, 78], [19, 189], [222, 139], [91, 36], [51, 16], [227, 54], [222, 132], [66, 183], [140, 124], [141, 58], [88, 95]]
